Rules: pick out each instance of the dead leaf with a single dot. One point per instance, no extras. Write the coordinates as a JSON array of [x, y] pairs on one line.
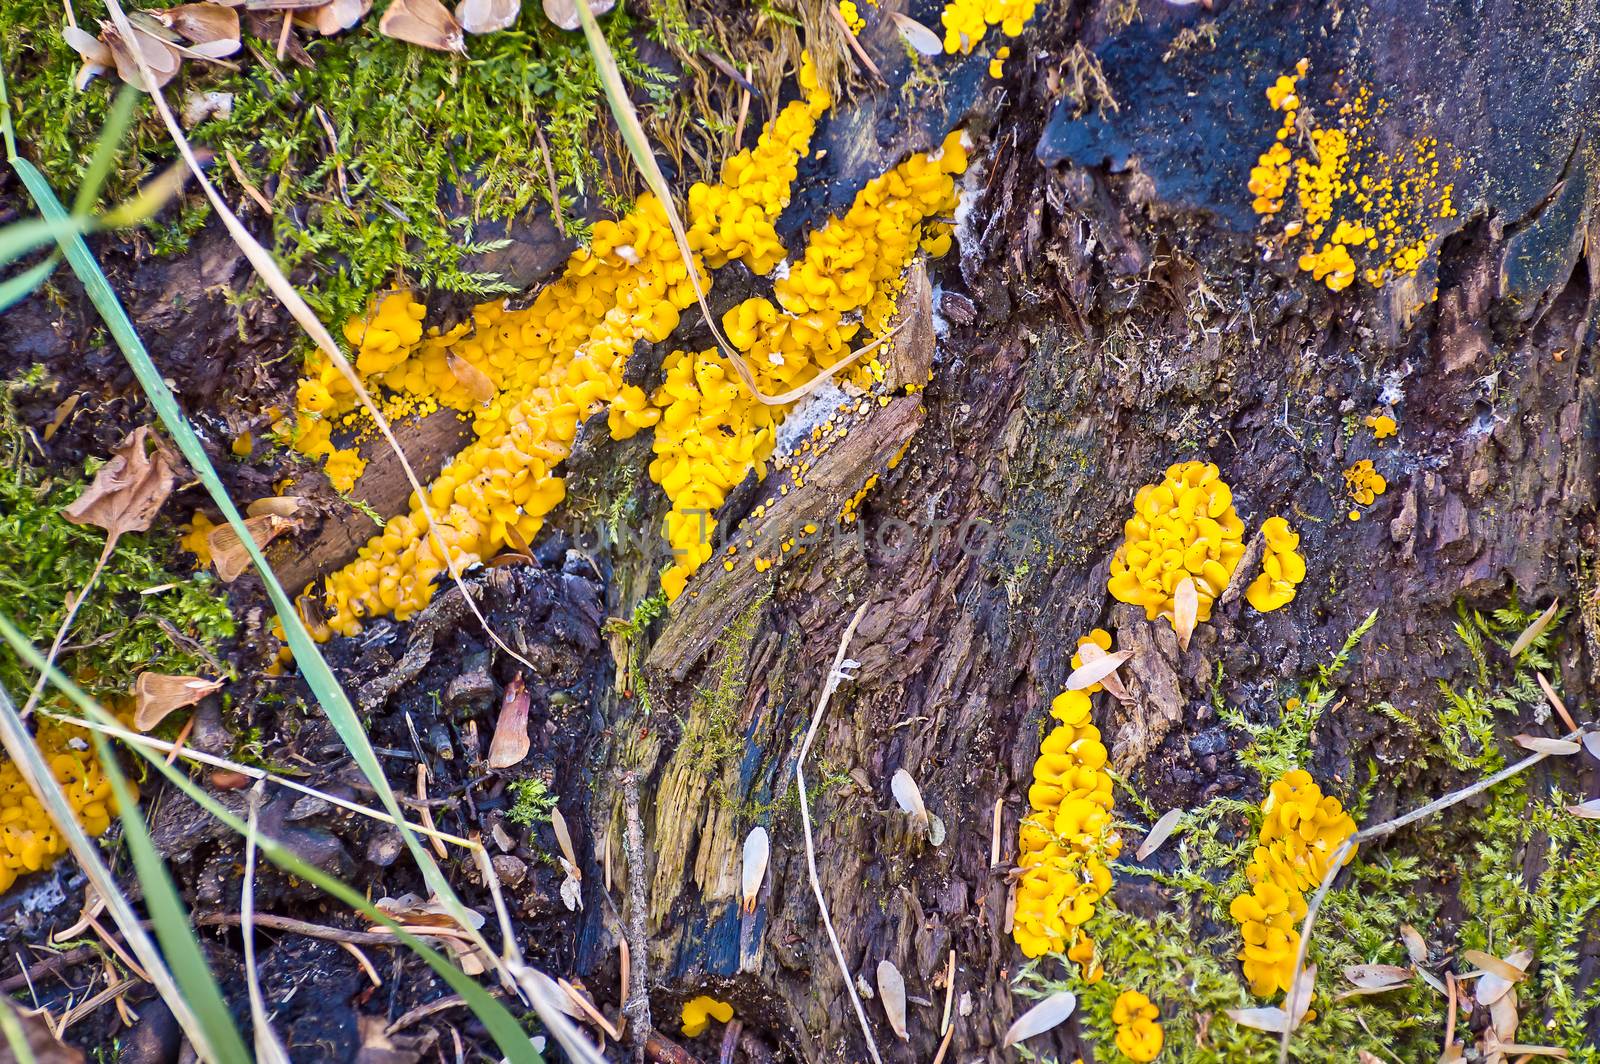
[[475, 382], [1304, 991], [281, 505], [422, 22], [204, 24], [1378, 976], [1047, 1015], [892, 992], [335, 16], [571, 887], [1185, 610], [1095, 669], [1499, 975], [1555, 702], [89, 47], [510, 743], [564, 13], [412, 910], [1591, 743], [558, 824], [156, 695], [230, 557], [1536, 629], [757, 851], [1159, 834], [1503, 1016], [908, 796], [163, 59], [1543, 744], [918, 36], [1589, 810], [127, 492], [1269, 1018], [487, 16], [1416, 945]]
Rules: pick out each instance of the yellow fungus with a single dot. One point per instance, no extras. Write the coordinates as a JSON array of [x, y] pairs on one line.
[[698, 1013], [1184, 526], [852, 17], [195, 538], [997, 64], [1364, 483], [1139, 1035], [966, 21], [1282, 567], [1382, 425]]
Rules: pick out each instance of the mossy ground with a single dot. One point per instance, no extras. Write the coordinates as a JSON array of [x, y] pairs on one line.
[[425, 149], [1513, 870], [142, 615]]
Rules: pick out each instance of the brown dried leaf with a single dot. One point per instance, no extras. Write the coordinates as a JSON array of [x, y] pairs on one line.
[[336, 16], [128, 490], [1113, 683], [753, 871], [558, 824], [1159, 833], [1499, 975], [510, 743], [1416, 945], [230, 557], [1047, 1015], [1555, 702], [487, 16], [422, 22], [1304, 991], [1378, 976], [1589, 810], [892, 992], [157, 694], [1185, 610], [164, 60], [1269, 1018], [564, 13], [1503, 1016], [1536, 629], [1543, 744], [1591, 743], [470, 377], [411, 909], [918, 36], [204, 24], [1095, 670], [281, 505], [91, 48]]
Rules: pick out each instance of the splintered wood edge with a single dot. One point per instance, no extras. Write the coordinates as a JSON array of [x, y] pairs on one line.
[[430, 442], [714, 596]]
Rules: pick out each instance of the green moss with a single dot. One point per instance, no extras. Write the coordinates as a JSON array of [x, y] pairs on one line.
[[531, 802], [141, 615], [711, 735], [425, 147]]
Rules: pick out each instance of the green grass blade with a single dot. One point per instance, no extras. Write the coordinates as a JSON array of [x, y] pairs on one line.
[[19, 238], [25, 755], [16, 1038], [105, 151], [15, 289], [502, 1026], [171, 919]]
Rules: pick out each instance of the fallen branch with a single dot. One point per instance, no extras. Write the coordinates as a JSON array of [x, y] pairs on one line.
[[836, 675], [1379, 831], [637, 1007]]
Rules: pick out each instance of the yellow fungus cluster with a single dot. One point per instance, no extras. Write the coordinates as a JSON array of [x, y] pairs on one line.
[[1183, 527], [29, 838], [1382, 425], [196, 538], [1282, 567], [529, 377], [1067, 839], [997, 65], [1139, 1035], [698, 1012], [852, 17], [1364, 484], [1356, 200], [1301, 832], [966, 21]]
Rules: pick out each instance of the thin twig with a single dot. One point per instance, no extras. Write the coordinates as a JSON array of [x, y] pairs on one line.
[[1378, 831], [637, 1007], [836, 675]]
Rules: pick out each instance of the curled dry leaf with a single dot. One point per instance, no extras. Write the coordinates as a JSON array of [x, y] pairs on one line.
[[163, 59], [892, 992], [204, 24], [1555, 702], [1095, 669], [1416, 945], [90, 49], [1185, 610], [230, 556], [427, 23], [476, 383], [908, 796], [1503, 1016], [1159, 833], [333, 17], [918, 36], [413, 910], [1047, 1015], [129, 489], [571, 886], [1269, 1018], [510, 743], [1112, 682], [564, 13], [1304, 991], [1499, 975], [1536, 629], [487, 16], [281, 505], [1589, 810], [1591, 743], [1543, 744], [558, 824], [757, 851], [1378, 976], [156, 695]]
